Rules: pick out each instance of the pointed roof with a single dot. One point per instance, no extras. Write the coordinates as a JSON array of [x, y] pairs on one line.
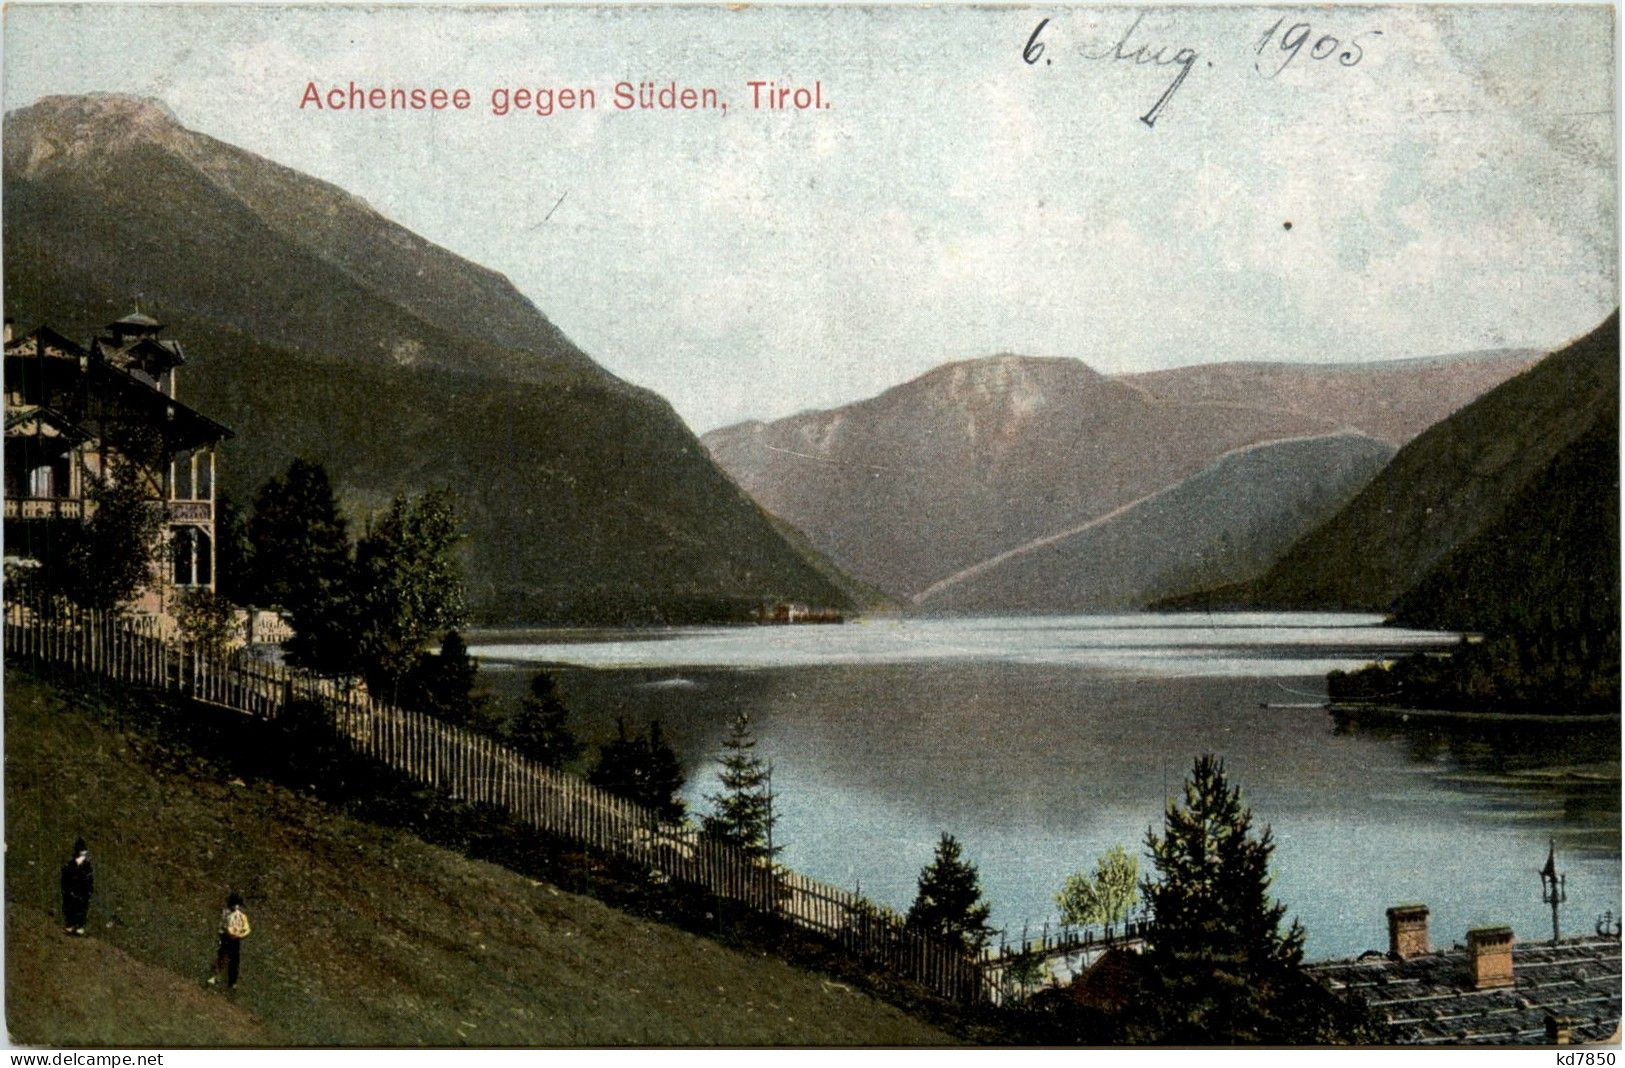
[[47, 338], [25, 415], [165, 352], [183, 425]]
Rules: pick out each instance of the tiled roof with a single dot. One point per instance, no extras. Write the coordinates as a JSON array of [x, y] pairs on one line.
[[1429, 1000]]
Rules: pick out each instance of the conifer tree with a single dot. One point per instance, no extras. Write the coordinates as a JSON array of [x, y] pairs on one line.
[[1220, 968], [1210, 901], [299, 543], [742, 812], [540, 729], [949, 901], [444, 684], [642, 770], [233, 558]]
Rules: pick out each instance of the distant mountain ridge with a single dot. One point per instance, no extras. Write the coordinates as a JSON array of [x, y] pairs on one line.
[[1393, 400], [348, 280], [1447, 486], [1230, 520], [317, 327], [978, 458]]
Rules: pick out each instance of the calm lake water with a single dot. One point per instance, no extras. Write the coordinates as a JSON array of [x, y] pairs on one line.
[[1041, 742]]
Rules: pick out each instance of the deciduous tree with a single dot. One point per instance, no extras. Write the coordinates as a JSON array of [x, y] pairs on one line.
[[1105, 897], [407, 586], [111, 556], [207, 621]]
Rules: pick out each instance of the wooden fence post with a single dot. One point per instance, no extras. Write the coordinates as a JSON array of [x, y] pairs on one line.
[[480, 770]]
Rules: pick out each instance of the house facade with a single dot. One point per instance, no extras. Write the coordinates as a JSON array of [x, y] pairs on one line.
[[79, 416]]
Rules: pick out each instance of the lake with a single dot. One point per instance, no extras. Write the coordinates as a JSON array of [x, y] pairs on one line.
[[1040, 742]]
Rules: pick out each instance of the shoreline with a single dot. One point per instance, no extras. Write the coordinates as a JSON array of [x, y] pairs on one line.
[[1400, 713]]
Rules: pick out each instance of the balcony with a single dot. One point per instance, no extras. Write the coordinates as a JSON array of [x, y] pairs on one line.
[[75, 508], [190, 511], [45, 508]]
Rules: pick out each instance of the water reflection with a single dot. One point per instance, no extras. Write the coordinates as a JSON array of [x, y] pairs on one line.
[[1041, 743], [1567, 774]]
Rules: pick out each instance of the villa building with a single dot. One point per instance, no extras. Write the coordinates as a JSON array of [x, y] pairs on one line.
[[78, 417]]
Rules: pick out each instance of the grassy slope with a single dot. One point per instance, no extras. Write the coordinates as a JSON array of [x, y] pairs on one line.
[[363, 935]]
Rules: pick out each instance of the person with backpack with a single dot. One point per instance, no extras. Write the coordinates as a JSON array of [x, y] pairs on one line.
[[77, 883], [233, 929]]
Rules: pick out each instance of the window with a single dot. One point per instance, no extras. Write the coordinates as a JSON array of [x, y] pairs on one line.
[[181, 547], [40, 481], [180, 477], [204, 570], [192, 553], [204, 483]]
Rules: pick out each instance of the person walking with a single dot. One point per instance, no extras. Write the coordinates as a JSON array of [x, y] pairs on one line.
[[77, 883], [233, 929]]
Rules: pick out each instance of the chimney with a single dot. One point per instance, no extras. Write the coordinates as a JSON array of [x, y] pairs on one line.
[[1408, 931], [1489, 956], [1559, 1030]]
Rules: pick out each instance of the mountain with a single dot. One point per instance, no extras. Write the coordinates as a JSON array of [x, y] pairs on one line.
[[315, 326], [1228, 522], [1549, 563], [1393, 400], [1451, 484], [979, 458], [973, 459]]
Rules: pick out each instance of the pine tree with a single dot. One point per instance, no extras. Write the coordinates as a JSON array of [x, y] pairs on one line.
[[298, 560], [298, 542], [1220, 969], [642, 770], [742, 813], [443, 685], [540, 730], [663, 775], [949, 901]]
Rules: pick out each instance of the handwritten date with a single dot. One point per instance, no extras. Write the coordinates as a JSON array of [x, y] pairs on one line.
[[1274, 51], [1289, 43]]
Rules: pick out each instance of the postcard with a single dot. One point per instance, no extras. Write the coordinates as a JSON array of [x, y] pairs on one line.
[[877, 526]]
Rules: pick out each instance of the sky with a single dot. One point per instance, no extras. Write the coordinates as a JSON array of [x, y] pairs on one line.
[[1448, 174]]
